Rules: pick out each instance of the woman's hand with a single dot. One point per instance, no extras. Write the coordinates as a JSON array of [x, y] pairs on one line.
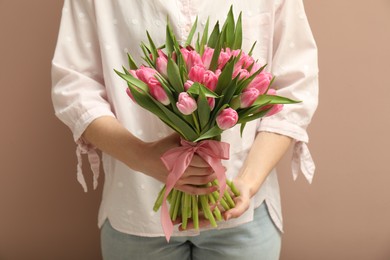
[[198, 173]]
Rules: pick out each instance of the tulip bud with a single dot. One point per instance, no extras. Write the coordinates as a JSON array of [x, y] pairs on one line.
[[193, 59], [145, 73], [210, 80], [188, 84], [248, 96], [186, 104], [207, 57], [157, 91], [161, 63], [227, 118], [261, 82], [196, 73], [211, 102], [275, 109]]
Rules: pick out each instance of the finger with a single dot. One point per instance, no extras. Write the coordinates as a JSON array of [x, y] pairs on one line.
[[196, 180], [197, 171], [197, 161], [242, 205]]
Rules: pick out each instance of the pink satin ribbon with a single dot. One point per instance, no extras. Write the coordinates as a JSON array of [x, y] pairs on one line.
[[178, 159]]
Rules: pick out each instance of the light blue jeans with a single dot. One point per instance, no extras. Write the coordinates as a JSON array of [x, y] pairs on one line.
[[258, 239]]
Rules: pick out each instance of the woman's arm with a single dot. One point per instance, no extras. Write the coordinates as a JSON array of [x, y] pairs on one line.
[[108, 135]]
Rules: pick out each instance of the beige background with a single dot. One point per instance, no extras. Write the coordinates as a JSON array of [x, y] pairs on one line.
[[344, 214]]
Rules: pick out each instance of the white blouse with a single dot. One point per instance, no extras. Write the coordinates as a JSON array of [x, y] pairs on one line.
[[94, 39]]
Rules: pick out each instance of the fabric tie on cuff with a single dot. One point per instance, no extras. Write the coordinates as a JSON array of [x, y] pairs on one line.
[[302, 161], [94, 161]]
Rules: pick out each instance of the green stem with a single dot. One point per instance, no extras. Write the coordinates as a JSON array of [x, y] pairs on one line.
[[196, 122], [206, 209], [222, 201], [216, 211], [233, 188], [173, 202], [186, 203], [229, 199], [159, 199], [177, 205], [195, 211]]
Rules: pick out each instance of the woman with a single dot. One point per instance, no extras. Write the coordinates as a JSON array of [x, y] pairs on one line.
[[89, 97]]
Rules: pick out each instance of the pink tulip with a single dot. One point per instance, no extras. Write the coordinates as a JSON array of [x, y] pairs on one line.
[[184, 53], [145, 73], [275, 109], [261, 82], [211, 102], [245, 60], [248, 96], [188, 84], [210, 80], [243, 73], [227, 118], [157, 91], [223, 59], [161, 63], [207, 57], [133, 73], [193, 59], [186, 104], [256, 66], [196, 73], [271, 91]]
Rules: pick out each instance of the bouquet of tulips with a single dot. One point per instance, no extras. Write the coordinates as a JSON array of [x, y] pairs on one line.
[[200, 90]]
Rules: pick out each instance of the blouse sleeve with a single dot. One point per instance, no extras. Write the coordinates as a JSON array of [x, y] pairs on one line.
[[295, 66], [78, 91]]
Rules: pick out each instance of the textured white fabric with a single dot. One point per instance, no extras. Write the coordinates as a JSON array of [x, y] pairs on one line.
[[93, 40]]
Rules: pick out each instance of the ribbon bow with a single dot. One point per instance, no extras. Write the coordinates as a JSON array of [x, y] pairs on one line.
[[177, 160]]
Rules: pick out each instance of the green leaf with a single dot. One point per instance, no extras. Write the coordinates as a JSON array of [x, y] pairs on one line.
[[146, 101], [203, 42], [153, 48], [226, 76], [133, 81], [203, 109], [191, 34], [228, 92], [132, 64], [146, 57], [228, 29], [273, 100], [214, 59], [169, 39], [245, 112], [237, 43], [242, 126], [214, 36], [252, 48], [213, 132], [197, 87], [187, 131], [174, 76], [252, 117]]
